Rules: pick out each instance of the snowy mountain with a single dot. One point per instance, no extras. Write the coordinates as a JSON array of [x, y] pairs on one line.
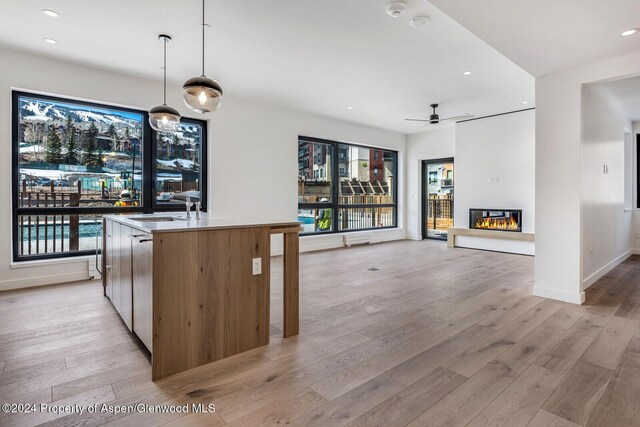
[[35, 110]]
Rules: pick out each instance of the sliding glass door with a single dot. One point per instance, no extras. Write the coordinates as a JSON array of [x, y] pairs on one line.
[[437, 198]]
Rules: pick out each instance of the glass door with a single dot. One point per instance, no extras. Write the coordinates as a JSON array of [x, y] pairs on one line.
[[437, 198]]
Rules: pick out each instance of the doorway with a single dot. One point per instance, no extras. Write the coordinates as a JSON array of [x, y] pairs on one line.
[[437, 198]]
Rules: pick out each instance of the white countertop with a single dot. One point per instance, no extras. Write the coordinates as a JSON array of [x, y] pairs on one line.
[[181, 223]]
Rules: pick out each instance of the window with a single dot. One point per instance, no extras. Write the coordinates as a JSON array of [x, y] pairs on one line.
[[76, 161], [178, 169], [356, 190]]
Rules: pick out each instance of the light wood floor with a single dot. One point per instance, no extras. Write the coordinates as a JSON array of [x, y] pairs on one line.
[[405, 333]]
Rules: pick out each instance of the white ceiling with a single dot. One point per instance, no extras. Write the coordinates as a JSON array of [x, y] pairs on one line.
[[627, 93], [547, 36], [315, 56]]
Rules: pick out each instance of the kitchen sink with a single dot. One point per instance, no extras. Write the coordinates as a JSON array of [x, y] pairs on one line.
[[154, 218]]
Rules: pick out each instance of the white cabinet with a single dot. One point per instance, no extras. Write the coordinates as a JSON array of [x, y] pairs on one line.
[[142, 260]]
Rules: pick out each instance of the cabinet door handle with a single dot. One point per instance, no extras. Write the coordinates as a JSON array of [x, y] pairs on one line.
[[108, 267], [141, 238]]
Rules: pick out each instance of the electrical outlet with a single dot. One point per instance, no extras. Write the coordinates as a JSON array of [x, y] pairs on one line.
[[637, 235], [256, 266]]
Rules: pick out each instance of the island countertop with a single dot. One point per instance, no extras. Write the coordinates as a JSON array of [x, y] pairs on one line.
[[180, 223]]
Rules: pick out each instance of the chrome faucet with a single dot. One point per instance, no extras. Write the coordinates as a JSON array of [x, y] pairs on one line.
[[188, 204], [198, 204]]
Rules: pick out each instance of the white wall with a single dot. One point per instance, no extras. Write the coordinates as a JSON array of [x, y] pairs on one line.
[[495, 169], [606, 196], [558, 270], [252, 156], [435, 144]]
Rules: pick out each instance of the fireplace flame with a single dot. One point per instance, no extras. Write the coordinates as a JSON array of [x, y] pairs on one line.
[[497, 223]]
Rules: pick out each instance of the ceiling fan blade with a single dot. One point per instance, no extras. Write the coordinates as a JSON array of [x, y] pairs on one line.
[[469, 116], [417, 120]]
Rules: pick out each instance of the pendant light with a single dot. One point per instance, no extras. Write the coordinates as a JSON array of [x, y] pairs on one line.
[[202, 94], [164, 118]]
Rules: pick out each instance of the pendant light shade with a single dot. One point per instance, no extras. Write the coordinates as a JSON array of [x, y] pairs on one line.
[[202, 94], [164, 118]]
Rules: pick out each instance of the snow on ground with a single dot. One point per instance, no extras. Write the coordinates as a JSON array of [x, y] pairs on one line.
[[47, 173], [184, 163], [32, 149]]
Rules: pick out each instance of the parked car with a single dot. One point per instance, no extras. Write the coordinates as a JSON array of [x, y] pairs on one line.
[[62, 182], [44, 181]]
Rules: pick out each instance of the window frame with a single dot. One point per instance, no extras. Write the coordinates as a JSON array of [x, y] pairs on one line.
[[335, 181], [149, 166], [167, 207]]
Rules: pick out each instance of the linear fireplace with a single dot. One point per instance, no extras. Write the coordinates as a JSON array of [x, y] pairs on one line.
[[496, 219]]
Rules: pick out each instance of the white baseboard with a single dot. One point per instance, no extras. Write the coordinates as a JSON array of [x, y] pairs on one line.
[[559, 295], [31, 282], [607, 268], [335, 241]]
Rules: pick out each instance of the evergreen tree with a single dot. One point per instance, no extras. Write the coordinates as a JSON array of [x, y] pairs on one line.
[[176, 144], [99, 159], [114, 136], [72, 155], [127, 140], [54, 146], [91, 158]]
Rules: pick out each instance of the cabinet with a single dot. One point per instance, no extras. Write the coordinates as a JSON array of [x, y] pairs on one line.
[[118, 270], [107, 258], [142, 261]]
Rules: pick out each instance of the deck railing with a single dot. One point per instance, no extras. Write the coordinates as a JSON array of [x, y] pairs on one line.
[[41, 234]]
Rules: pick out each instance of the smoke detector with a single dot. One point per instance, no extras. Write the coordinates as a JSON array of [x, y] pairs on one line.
[[419, 21], [396, 8]]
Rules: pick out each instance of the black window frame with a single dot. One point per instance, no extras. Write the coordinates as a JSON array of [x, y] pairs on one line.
[[149, 168], [335, 181]]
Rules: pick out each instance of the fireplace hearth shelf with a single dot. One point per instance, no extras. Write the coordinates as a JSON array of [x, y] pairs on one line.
[[453, 232]]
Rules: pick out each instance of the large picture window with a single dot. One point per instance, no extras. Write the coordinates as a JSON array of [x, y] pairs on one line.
[[76, 161], [345, 187]]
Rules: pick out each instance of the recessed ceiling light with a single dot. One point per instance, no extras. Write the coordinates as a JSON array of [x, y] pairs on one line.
[[51, 13], [629, 32], [51, 41], [349, 108], [467, 73]]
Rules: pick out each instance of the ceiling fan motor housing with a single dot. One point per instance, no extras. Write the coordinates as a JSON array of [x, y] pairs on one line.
[[434, 118]]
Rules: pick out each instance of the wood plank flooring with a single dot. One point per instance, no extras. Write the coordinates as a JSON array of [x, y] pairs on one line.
[[395, 334]]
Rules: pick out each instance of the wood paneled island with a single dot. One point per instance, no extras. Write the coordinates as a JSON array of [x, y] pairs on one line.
[[190, 288]]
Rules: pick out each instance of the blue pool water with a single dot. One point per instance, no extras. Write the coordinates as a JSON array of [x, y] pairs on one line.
[[85, 230], [305, 219]]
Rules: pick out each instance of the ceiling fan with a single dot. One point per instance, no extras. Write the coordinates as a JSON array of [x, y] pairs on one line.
[[434, 118]]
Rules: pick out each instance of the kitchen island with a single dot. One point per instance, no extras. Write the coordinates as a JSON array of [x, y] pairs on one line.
[[196, 290]]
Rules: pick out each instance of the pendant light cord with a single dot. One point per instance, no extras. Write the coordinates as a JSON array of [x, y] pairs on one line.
[[165, 71], [203, 38]]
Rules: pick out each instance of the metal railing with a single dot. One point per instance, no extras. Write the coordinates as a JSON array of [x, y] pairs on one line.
[[41, 234]]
